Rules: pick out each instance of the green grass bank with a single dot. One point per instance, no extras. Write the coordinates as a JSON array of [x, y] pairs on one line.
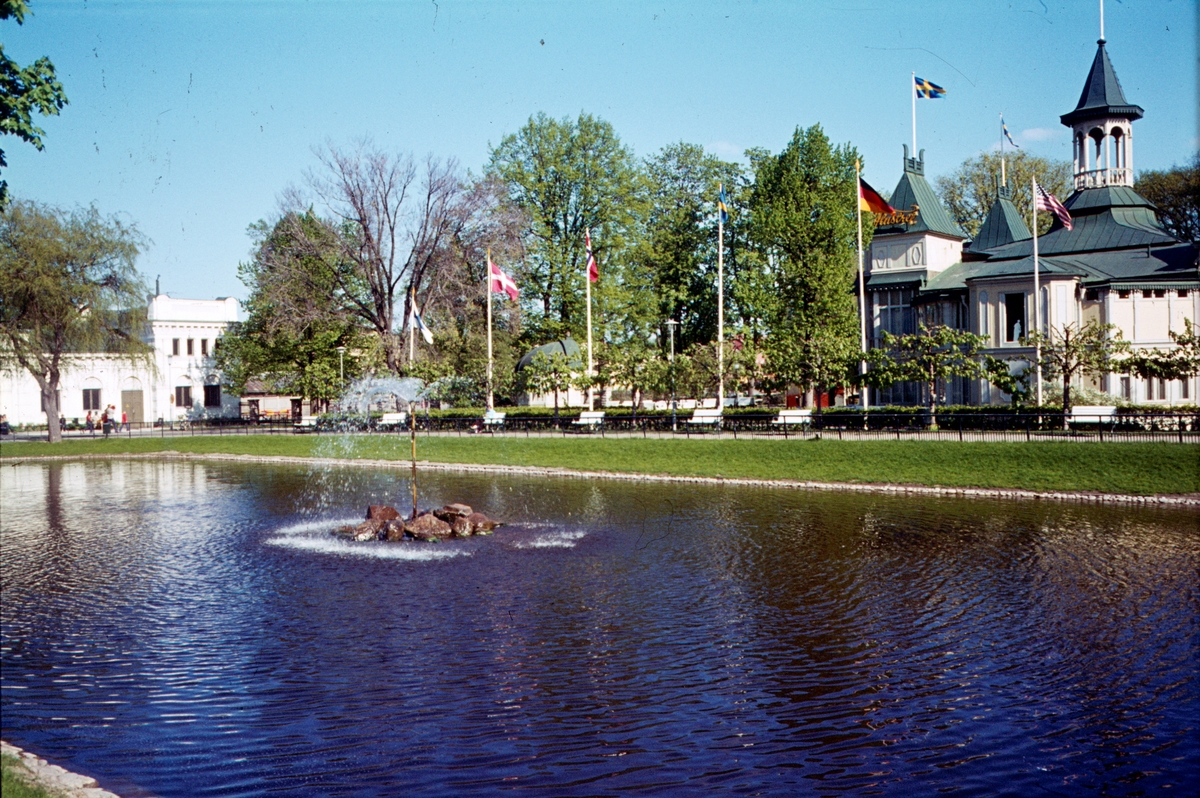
[[1132, 468]]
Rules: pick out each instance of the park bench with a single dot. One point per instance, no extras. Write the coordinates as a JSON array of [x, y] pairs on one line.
[[705, 418], [492, 420], [1092, 414], [788, 418], [305, 424], [393, 421], [589, 420]]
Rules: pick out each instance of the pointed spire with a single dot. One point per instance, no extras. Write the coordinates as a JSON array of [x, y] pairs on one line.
[[1003, 224], [1102, 96]]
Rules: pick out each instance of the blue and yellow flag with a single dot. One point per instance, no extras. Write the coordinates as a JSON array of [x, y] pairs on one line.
[[930, 91], [722, 208]]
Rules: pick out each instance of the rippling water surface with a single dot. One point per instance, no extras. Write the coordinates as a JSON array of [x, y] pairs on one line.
[[179, 628]]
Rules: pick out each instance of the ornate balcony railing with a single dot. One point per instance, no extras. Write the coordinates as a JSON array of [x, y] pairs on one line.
[[1100, 178]]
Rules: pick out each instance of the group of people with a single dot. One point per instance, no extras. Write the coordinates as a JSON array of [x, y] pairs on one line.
[[107, 421]]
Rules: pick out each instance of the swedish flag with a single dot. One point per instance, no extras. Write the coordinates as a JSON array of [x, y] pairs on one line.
[[721, 207], [927, 90]]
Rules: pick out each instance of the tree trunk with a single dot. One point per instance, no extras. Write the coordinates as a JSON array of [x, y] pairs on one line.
[[933, 403], [50, 401], [556, 404], [1066, 400]]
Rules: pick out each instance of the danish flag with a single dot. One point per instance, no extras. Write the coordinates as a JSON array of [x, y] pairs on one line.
[[501, 283]]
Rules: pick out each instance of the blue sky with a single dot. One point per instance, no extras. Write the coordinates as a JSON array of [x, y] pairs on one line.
[[190, 118]]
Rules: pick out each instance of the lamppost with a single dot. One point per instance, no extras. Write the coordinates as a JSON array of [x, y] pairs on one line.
[[341, 350], [671, 324]]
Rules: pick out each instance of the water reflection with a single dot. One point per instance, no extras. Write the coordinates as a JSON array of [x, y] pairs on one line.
[[181, 628]]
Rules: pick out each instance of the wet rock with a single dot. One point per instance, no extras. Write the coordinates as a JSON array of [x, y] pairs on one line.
[[428, 528], [367, 530], [460, 527], [393, 530], [481, 524], [452, 511], [382, 512]]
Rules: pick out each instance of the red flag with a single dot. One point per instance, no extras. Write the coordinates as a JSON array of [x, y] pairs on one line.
[[870, 200], [592, 269], [501, 283], [1045, 201]]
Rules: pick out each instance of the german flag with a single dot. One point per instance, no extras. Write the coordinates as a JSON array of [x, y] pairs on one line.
[[869, 199]]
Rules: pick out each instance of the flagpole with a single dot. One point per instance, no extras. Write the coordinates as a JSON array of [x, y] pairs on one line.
[[1037, 294], [1003, 171], [587, 282], [912, 88], [412, 323], [488, 298], [720, 311], [862, 291]]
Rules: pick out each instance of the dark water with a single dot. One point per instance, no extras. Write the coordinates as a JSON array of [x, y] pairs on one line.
[[187, 629]]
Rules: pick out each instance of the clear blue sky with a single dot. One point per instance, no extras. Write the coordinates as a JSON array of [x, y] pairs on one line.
[[191, 117]]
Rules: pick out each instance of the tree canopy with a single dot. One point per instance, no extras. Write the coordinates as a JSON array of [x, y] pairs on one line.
[[1176, 193], [970, 191]]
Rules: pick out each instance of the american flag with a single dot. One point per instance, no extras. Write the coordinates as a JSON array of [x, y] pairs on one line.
[[1045, 201]]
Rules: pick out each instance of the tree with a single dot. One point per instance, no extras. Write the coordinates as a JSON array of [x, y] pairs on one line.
[[634, 365], [288, 340], [545, 374], [569, 177], [67, 286], [25, 91], [679, 249], [930, 356], [393, 225], [970, 191], [1176, 193], [803, 206], [1180, 363], [1072, 350]]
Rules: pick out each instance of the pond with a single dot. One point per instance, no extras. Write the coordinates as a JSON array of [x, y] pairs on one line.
[[189, 628]]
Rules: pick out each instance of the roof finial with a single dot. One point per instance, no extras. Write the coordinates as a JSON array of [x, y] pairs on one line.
[[1101, 20]]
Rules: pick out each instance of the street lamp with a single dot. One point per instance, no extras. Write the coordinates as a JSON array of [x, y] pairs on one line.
[[341, 350], [671, 324]]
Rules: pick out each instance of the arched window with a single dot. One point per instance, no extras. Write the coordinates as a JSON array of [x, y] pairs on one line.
[[1118, 138]]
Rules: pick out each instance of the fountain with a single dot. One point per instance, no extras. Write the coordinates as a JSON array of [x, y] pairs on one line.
[[384, 522]]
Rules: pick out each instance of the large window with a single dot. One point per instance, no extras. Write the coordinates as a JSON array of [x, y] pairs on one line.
[[1014, 317], [204, 346], [91, 399], [174, 346], [985, 313], [212, 395], [183, 396], [191, 346]]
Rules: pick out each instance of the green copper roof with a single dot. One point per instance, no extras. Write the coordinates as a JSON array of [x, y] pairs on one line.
[[1003, 224], [914, 189], [1102, 96], [566, 347]]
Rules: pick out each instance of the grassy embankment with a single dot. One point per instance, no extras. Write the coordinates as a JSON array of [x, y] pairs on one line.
[[14, 781], [1135, 468]]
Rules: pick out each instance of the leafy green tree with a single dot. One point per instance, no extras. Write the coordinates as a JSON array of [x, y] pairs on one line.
[[568, 177], [1176, 193], [970, 191], [25, 91], [637, 366], [1070, 351], [1180, 363], [68, 285], [679, 248], [288, 340], [930, 356], [548, 374], [803, 205]]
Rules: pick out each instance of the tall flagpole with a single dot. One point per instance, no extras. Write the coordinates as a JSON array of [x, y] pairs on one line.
[[862, 291], [488, 298], [720, 310], [587, 281], [1037, 293], [412, 325], [912, 87], [1003, 171]]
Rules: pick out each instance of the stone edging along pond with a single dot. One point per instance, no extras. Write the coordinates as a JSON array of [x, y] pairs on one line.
[[1189, 500]]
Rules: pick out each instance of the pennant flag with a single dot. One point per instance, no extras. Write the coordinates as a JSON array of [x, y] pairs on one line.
[[1008, 135], [722, 208], [501, 283], [1045, 201], [870, 200], [592, 269], [930, 91], [415, 323]]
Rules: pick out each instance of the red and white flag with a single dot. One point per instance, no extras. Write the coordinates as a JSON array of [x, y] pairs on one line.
[[501, 283], [1045, 201], [592, 269]]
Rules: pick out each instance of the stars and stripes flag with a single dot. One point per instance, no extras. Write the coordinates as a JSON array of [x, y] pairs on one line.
[[1045, 201], [501, 283], [593, 269]]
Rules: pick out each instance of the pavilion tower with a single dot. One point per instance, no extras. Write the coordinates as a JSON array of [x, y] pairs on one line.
[[1102, 128]]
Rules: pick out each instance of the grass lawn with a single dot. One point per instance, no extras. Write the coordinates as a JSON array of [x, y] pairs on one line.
[[15, 784], [1140, 468]]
